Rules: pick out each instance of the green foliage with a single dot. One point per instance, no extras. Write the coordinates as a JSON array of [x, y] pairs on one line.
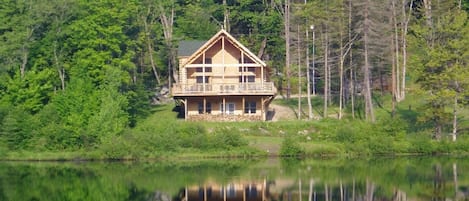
[[290, 147]]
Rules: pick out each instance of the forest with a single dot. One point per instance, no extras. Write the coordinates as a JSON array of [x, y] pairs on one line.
[[78, 75]]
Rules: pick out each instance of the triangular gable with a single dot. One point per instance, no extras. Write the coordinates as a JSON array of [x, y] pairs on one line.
[[235, 42]]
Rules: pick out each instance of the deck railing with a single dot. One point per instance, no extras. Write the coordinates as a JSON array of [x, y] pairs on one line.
[[224, 88]]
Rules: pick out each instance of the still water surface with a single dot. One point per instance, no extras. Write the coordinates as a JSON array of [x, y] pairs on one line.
[[378, 179]]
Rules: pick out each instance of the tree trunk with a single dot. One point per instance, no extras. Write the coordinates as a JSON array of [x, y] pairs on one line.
[[326, 73], [167, 24], [262, 48], [308, 78], [406, 17], [226, 17], [455, 119], [149, 47], [369, 113], [299, 72], [395, 72], [59, 68], [352, 86], [287, 46]]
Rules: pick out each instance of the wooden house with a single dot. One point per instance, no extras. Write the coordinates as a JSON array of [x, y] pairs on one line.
[[221, 80]]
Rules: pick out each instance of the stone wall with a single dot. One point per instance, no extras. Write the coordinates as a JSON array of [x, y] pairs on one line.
[[224, 118]]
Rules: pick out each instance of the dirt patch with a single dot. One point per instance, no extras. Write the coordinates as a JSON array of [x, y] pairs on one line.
[[282, 112]]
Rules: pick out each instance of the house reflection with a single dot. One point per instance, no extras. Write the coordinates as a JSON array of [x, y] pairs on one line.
[[234, 191]]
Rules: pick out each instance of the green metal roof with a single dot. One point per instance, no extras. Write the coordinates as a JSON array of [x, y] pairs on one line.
[[188, 47]]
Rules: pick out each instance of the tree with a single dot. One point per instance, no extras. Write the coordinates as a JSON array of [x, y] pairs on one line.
[[442, 60]]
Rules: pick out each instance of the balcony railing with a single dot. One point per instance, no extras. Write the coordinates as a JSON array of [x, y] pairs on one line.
[[224, 88]]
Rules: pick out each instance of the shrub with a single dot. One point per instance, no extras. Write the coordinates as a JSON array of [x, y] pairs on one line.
[[227, 138], [290, 147]]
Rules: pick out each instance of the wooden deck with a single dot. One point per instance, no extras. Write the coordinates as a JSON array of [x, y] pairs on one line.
[[214, 89]]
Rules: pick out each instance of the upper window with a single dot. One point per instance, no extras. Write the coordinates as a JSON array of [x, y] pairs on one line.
[[200, 79], [208, 60], [200, 69], [247, 69]]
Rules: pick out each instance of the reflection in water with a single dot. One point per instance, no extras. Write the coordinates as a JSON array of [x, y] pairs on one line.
[[240, 191], [379, 179]]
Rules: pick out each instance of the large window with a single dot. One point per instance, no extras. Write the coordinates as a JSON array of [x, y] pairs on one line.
[[248, 78], [247, 69], [228, 109], [200, 79], [250, 107], [200, 69], [208, 107]]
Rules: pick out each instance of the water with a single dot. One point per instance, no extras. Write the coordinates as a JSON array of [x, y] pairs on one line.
[[379, 179]]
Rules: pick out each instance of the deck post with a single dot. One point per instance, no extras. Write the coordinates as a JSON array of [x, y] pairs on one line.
[[185, 109], [262, 108], [203, 72], [205, 105], [243, 105], [223, 106]]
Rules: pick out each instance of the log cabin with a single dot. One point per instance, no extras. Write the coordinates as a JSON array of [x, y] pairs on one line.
[[221, 80]]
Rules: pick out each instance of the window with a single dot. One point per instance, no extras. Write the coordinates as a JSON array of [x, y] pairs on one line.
[[208, 60], [250, 107], [247, 69], [200, 79], [200, 69], [208, 107], [229, 108], [249, 78], [200, 107]]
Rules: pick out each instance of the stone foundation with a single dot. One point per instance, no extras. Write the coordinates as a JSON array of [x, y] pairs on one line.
[[224, 118]]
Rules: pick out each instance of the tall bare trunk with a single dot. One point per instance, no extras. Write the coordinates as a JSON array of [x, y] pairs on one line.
[[149, 46], [406, 17], [326, 73], [226, 17], [59, 67], [352, 86], [308, 78], [395, 73], [369, 113], [299, 72], [167, 22], [455, 119], [287, 45]]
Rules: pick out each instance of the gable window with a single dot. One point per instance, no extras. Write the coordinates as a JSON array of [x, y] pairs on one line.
[[200, 69], [200, 79], [247, 69], [249, 78], [250, 107], [208, 60]]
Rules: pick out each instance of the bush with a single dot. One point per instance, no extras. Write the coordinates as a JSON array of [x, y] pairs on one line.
[[290, 147], [227, 138]]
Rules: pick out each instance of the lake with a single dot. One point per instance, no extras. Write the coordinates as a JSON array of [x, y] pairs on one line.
[[272, 179]]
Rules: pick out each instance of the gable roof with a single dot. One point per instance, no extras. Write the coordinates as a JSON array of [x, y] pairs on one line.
[[188, 47], [235, 42]]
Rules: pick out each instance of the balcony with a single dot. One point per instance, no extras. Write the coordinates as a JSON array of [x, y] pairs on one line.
[[214, 89]]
